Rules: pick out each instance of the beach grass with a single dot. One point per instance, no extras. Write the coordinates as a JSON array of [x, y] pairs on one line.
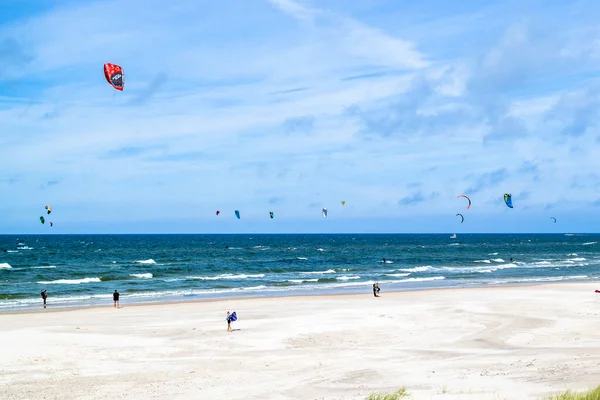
[[397, 395], [592, 394]]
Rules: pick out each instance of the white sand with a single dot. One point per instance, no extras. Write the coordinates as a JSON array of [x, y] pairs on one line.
[[493, 343]]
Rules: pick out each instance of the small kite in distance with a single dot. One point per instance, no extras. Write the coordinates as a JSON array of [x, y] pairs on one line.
[[553, 219], [462, 218], [508, 200], [324, 213], [465, 196]]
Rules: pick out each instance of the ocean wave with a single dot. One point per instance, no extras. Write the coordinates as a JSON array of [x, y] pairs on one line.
[[11, 251], [329, 271], [148, 261], [5, 266], [142, 276], [45, 267], [302, 280], [577, 259], [70, 281], [398, 275], [588, 243], [347, 278], [226, 276], [25, 248], [483, 261], [417, 269], [492, 254], [301, 258], [572, 255], [540, 279]]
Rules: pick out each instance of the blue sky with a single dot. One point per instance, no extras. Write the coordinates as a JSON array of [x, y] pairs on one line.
[[291, 106]]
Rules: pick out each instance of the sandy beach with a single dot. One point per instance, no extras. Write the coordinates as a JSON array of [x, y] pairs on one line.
[[522, 342]]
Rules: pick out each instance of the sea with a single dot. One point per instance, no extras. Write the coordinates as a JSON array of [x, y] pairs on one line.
[[84, 270]]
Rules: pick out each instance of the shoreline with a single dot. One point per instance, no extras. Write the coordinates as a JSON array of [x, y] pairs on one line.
[[294, 295]]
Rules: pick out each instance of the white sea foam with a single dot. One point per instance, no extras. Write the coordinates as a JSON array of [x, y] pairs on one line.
[[226, 276], [417, 269], [45, 267], [498, 260], [25, 248], [398, 275], [347, 278], [329, 271], [483, 261], [540, 279], [142, 276], [578, 259], [70, 281], [588, 243], [301, 258], [148, 261], [5, 266], [302, 280]]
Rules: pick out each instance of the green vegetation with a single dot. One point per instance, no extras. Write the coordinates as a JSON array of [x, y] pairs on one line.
[[593, 394], [397, 395]]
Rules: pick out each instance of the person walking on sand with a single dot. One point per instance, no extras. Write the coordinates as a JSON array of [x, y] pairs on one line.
[[378, 288], [229, 322], [44, 296], [375, 290], [116, 299]]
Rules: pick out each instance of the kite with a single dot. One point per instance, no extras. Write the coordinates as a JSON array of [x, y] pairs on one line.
[[508, 200], [49, 209], [232, 317], [51, 223], [553, 219], [114, 75], [237, 214], [462, 218], [343, 202], [42, 220], [462, 195], [218, 212], [324, 212], [271, 214]]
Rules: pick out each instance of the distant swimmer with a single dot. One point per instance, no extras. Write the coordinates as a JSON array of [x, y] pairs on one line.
[[383, 260], [4, 250], [511, 260], [116, 299]]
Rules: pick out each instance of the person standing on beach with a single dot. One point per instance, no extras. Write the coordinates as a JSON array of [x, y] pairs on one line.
[[228, 322], [44, 296], [116, 299], [375, 289]]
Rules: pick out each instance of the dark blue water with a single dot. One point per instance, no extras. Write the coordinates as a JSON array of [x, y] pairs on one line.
[[85, 269]]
